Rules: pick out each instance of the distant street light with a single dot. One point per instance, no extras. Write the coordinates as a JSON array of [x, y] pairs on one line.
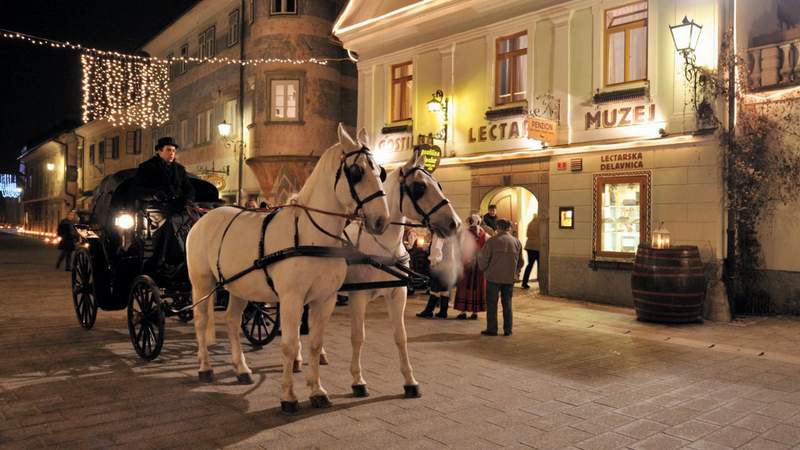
[[51, 167]]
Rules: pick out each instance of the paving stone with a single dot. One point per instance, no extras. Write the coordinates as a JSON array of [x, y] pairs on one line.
[[785, 434], [659, 441], [691, 430], [641, 428], [606, 441], [757, 423], [731, 436]]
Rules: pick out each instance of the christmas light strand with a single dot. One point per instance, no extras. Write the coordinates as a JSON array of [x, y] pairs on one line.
[[44, 42]]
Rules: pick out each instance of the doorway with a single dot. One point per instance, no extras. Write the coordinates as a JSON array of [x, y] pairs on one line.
[[518, 205]]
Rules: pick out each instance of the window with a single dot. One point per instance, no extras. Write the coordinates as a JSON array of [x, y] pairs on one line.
[[626, 44], [233, 28], [278, 7], [133, 142], [206, 41], [511, 71], [284, 100], [173, 66], [184, 54], [115, 147], [184, 133], [101, 151], [230, 114], [252, 16], [203, 123], [402, 82], [621, 214], [91, 154]]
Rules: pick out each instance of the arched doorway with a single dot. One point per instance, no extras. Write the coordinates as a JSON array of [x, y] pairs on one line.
[[517, 205]]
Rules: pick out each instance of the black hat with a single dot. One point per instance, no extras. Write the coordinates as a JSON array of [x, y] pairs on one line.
[[164, 141]]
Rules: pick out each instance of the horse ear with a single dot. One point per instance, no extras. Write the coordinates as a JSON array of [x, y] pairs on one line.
[[344, 136], [363, 138]]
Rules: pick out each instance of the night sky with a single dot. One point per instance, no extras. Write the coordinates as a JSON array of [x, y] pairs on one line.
[[39, 86]]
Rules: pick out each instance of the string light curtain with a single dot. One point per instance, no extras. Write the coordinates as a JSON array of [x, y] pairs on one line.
[[125, 92]]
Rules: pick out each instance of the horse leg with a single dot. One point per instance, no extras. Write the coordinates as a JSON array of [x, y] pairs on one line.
[[204, 324], [321, 311], [397, 306], [358, 310], [233, 317], [291, 310]]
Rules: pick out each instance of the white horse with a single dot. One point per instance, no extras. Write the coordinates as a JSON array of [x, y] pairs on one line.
[[412, 193], [226, 241]]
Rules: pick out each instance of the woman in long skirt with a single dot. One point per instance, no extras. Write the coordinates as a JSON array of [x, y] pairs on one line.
[[471, 290]]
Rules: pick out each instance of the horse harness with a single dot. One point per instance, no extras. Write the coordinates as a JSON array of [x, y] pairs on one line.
[[416, 192]]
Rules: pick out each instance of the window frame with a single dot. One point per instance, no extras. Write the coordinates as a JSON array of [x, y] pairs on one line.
[[626, 28], [401, 81], [252, 14], [207, 41], [115, 144], [91, 153], [136, 147], [645, 185], [183, 132], [184, 54], [101, 151], [234, 27], [203, 132], [512, 56], [274, 12], [299, 114]]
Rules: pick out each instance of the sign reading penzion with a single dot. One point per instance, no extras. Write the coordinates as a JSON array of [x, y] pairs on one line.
[[621, 117]]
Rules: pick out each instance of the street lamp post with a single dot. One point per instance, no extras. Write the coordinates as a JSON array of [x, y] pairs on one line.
[[226, 130]]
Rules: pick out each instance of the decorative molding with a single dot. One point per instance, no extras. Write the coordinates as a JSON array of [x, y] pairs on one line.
[[391, 129], [499, 113], [621, 95]]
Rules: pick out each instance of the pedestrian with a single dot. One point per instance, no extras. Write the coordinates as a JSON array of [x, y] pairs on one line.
[[439, 292], [490, 220], [251, 204], [532, 249], [263, 205], [69, 236], [500, 259], [471, 290]]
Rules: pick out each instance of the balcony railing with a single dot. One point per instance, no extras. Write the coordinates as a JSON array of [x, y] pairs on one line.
[[774, 66]]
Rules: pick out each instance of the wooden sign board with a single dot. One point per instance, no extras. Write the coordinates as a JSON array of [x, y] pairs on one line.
[[544, 130]]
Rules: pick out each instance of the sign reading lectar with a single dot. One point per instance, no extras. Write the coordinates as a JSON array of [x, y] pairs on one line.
[[431, 155]]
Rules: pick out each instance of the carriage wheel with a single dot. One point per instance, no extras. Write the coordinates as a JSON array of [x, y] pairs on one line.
[[145, 318], [259, 323], [84, 295]]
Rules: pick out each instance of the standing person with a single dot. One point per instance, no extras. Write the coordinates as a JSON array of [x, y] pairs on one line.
[[68, 235], [500, 260], [531, 248], [251, 204], [263, 205], [490, 219], [439, 293], [471, 290]]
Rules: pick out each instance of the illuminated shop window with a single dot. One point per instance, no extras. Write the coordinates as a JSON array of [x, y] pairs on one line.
[[284, 95], [511, 72], [626, 44], [622, 212], [402, 82]]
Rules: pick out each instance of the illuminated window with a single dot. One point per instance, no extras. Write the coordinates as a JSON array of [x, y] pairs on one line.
[[284, 100], [402, 82], [511, 71], [622, 211], [626, 44], [279, 7]]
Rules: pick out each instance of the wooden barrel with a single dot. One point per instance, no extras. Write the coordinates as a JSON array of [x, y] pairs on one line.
[[668, 284]]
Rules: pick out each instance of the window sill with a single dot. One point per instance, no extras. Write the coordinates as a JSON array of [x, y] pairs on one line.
[[397, 128], [628, 91], [617, 264], [507, 110], [285, 122]]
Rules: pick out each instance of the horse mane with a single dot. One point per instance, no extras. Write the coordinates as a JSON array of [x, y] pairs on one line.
[[326, 165]]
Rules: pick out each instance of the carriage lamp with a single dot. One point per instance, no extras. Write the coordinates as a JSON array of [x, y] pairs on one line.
[[51, 167], [660, 237], [224, 129], [124, 221]]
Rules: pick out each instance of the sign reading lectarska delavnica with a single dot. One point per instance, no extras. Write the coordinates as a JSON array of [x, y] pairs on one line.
[[621, 117], [621, 161]]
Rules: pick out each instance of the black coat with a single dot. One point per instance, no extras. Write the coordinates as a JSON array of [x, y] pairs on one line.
[[170, 180], [68, 235]]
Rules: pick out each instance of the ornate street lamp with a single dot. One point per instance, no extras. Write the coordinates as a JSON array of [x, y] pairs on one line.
[[438, 104], [225, 130], [685, 36]]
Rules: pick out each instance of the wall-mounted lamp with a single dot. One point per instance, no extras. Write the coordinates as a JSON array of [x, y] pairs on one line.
[[224, 129], [685, 36], [438, 104], [51, 167]]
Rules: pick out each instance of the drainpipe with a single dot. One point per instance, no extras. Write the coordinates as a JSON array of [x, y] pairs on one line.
[[66, 179], [83, 160], [241, 105]]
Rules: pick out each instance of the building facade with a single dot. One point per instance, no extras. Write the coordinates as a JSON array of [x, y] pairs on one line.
[[577, 111]]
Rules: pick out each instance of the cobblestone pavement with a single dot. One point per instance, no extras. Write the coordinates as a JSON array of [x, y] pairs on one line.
[[572, 375]]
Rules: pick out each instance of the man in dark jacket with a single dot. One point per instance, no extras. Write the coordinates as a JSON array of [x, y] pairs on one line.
[[500, 259], [164, 180]]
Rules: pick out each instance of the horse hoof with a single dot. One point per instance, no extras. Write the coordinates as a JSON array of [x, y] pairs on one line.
[[323, 359], [297, 367], [290, 407], [244, 378], [360, 390], [412, 391], [205, 376], [320, 401]]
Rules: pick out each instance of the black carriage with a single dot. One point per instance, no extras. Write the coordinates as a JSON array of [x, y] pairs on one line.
[[132, 256]]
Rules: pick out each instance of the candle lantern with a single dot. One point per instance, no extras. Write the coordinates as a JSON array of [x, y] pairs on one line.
[[660, 237]]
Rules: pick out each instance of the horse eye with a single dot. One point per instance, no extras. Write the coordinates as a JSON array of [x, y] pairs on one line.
[[355, 173], [383, 175], [417, 190]]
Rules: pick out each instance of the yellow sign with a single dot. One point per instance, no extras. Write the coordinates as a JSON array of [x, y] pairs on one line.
[[431, 154], [216, 179], [541, 129]]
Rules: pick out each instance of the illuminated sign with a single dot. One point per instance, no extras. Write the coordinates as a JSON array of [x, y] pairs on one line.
[[431, 154], [621, 117], [8, 186], [396, 143], [541, 129]]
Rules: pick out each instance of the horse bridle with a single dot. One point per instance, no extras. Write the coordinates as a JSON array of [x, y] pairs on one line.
[[415, 196], [353, 173]]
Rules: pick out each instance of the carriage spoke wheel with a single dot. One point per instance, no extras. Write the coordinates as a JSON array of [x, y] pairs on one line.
[[145, 318], [259, 323], [84, 297]]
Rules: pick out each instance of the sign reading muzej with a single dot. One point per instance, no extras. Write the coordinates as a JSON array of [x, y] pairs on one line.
[[621, 117], [621, 161], [542, 129]]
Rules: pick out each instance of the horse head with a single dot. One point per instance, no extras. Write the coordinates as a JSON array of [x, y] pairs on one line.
[[362, 189], [422, 199]]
